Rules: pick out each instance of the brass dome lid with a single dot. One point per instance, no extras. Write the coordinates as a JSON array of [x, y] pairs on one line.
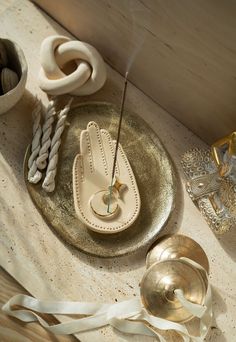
[[175, 247], [158, 285]]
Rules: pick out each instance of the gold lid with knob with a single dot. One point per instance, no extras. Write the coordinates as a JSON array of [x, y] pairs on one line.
[[175, 247], [162, 279]]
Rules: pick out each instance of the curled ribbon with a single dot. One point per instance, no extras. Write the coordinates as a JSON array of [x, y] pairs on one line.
[[88, 77], [128, 316]]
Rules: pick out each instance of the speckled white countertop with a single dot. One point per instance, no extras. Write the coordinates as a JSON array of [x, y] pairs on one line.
[[43, 262]]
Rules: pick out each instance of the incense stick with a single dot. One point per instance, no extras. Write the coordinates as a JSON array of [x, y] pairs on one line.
[[117, 139]]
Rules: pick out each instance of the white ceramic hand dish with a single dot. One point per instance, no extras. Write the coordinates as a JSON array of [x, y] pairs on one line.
[[99, 206]]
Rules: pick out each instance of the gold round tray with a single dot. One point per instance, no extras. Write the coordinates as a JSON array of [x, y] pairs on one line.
[[152, 168]]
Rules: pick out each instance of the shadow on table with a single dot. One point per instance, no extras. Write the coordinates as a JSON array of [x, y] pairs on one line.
[[219, 307], [16, 132], [228, 242]]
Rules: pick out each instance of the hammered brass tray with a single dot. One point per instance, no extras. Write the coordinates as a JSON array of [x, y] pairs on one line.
[[152, 168]]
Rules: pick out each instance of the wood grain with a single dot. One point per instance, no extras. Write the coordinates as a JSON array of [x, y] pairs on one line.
[[12, 329], [185, 52]]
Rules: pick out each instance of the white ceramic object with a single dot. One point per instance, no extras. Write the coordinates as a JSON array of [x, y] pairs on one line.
[[17, 62], [92, 172], [87, 78]]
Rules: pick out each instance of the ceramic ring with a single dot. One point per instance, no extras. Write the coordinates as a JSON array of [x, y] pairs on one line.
[[73, 50]]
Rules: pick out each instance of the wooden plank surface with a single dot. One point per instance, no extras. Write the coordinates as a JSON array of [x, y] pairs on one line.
[[185, 52]]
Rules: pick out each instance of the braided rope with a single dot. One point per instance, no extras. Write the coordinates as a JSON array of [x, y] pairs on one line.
[[49, 181], [46, 140], [34, 175]]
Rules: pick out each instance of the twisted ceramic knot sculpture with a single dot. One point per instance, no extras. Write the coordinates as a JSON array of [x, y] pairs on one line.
[[87, 78]]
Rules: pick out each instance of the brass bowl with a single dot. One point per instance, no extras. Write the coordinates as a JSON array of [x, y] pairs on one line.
[[175, 247], [158, 285]]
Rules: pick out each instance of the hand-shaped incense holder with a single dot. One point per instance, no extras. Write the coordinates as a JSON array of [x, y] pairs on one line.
[[101, 207], [88, 75], [212, 182]]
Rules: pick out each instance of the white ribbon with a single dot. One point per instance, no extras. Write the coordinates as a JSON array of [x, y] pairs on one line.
[[128, 316], [196, 309]]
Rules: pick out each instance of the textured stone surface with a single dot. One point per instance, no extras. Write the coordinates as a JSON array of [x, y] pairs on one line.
[[43, 263]]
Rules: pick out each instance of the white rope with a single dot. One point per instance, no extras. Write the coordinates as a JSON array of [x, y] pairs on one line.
[[34, 175], [46, 140], [49, 181]]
